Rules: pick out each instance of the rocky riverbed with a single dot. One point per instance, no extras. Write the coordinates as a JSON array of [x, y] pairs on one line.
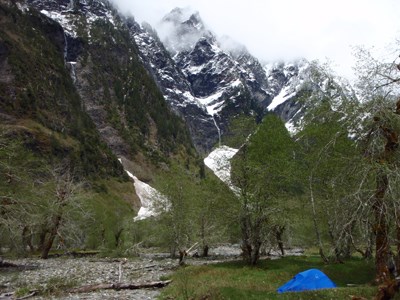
[[52, 277]]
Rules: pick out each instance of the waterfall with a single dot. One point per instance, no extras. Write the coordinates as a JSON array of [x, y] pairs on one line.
[[218, 129], [72, 65], [65, 47]]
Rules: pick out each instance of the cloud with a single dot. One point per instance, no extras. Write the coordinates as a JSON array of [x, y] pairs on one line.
[[288, 29]]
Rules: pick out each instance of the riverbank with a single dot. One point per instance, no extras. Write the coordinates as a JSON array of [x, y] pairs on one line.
[[54, 277]]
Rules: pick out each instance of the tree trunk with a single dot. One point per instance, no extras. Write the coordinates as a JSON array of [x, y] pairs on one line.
[[370, 246], [255, 253], [379, 207], [27, 239], [52, 234], [398, 240], [246, 245], [381, 230], [278, 234], [118, 235], [42, 239], [182, 257], [321, 250], [205, 251]]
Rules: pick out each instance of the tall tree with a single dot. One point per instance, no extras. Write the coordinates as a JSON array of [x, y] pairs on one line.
[[264, 171], [379, 86]]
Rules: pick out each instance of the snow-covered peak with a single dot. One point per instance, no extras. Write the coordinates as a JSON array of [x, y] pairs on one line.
[[74, 16], [178, 15], [286, 80], [181, 29]]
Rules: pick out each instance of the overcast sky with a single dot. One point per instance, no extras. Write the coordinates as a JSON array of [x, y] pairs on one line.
[[289, 29]]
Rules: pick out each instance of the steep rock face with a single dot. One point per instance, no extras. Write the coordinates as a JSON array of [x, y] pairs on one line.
[[174, 85], [297, 85], [217, 70], [204, 82], [38, 102], [118, 94], [228, 81]]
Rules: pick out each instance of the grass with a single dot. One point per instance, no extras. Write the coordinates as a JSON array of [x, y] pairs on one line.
[[235, 280]]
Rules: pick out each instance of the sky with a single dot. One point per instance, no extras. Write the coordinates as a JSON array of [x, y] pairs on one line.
[[290, 29]]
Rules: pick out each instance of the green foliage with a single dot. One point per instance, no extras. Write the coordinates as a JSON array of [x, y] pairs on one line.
[[58, 285], [111, 213], [24, 291], [199, 209], [235, 280], [240, 128], [272, 155], [27, 200], [265, 171]]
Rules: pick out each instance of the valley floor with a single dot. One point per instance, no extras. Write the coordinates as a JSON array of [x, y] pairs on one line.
[[221, 276], [53, 276]]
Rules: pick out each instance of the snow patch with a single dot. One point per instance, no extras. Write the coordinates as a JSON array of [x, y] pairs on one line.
[[291, 128], [219, 161], [149, 198], [281, 98], [65, 20], [210, 103]]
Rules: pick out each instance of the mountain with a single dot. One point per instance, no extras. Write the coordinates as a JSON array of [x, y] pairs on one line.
[[117, 92], [211, 80], [72, 87], [175, 87], [39, 102], [215, 84], [145, 94]]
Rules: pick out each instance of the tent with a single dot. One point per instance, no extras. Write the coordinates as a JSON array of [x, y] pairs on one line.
[[312, 279]]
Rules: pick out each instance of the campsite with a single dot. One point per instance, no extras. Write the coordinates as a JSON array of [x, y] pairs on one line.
[[236, 280], [222, 275]]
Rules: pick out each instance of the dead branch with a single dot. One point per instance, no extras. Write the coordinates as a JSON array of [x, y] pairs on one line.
[[6, 296], [11, 296], [191, 248], [144, 268], [4, 264], [31, 294], [120, 286]]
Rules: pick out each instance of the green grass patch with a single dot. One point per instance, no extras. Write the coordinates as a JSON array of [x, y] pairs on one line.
[[235, 280]]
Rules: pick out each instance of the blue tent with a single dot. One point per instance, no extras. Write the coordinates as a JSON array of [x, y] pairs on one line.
[[312, 279]]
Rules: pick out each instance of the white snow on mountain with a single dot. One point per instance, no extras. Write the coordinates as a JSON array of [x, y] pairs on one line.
[[149, 197], [296, 74], [284, 95], [219, 161], [65, 20], [66, 17]]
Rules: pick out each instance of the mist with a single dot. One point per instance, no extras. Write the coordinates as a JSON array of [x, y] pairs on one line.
[[290, 29]]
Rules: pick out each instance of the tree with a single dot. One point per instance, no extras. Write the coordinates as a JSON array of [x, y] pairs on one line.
[[264, 171], [197, 211], [360, 175], [328, 155], [64, 191], [379, 140], [37, 201]]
